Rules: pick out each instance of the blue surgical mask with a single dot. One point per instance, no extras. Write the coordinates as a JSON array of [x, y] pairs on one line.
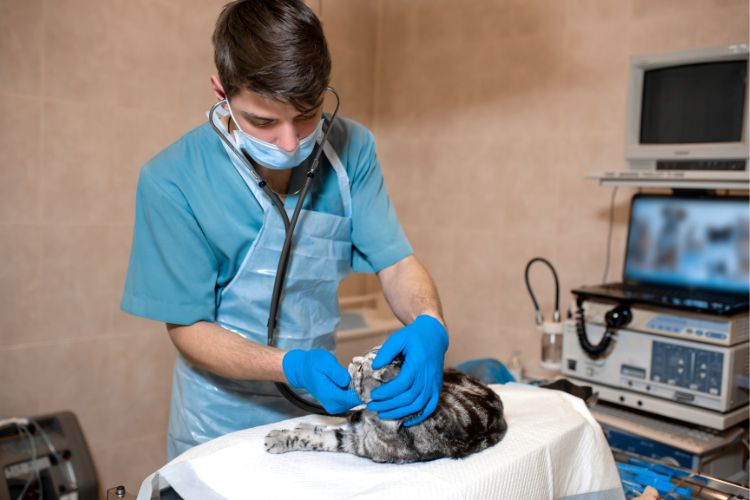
[[270, 155]]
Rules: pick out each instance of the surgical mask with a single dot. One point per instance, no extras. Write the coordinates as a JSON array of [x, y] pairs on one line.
[[270, 155]]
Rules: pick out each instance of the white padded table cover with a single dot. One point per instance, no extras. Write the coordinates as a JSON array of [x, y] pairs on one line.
[[554, 449]]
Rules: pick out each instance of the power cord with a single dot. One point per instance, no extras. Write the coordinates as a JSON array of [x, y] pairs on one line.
[[65, 465], [23, 429], [609, 234]]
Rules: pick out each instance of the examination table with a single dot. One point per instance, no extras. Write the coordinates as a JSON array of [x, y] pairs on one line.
[[553, 449]]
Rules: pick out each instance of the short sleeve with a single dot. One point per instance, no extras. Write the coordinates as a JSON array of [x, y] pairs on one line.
[[377, 236], [172, 270]]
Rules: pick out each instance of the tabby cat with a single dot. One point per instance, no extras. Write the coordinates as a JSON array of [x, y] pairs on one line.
[[468, 419]]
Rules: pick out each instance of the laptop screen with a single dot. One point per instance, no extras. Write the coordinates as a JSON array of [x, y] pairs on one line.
[[701, 243]]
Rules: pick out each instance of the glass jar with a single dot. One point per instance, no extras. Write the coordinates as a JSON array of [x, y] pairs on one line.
[[552, 339]]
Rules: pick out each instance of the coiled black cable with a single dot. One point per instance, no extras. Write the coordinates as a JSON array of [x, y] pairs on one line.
[[614, 319]]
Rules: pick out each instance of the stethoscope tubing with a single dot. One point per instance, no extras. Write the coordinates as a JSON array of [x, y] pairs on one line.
[[289, 225]]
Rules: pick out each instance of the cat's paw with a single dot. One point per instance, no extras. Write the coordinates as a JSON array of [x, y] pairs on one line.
[[277, 441]]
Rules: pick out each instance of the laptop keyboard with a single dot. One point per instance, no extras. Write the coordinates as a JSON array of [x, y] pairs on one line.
[[674, 297]]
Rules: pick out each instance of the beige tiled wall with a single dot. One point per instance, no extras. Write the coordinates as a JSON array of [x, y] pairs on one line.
[[89, 91], [487, 114]]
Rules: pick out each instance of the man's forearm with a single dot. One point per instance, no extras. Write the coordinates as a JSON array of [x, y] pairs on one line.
[[410, 291], [224, 353]]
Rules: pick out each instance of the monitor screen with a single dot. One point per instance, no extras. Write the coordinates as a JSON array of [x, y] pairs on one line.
[[694, 103], [701, 243]]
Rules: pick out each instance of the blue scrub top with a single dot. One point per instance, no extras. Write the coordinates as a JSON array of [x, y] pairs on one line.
[[196, 219]]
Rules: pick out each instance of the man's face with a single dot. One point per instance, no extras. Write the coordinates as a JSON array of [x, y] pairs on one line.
[[273, 121]]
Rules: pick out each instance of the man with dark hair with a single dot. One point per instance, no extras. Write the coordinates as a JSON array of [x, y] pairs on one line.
[[207, 240]]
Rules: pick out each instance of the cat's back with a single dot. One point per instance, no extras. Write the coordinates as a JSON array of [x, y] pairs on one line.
[[470, 403], [468, 419]]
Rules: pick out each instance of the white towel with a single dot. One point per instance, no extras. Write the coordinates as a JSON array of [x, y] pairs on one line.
[[553, 449]]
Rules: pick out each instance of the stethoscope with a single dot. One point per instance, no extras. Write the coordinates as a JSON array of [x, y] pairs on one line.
[[289, 225]]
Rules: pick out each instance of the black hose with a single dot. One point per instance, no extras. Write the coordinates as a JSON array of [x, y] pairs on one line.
[[595, 351], [539, 317]]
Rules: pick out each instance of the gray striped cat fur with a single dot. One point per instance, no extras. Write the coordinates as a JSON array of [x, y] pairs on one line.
[[468, 419]]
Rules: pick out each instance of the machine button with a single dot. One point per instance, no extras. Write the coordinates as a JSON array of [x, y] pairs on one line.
[[683, 397]]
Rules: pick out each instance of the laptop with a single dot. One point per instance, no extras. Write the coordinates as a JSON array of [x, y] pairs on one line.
[[685, 252]]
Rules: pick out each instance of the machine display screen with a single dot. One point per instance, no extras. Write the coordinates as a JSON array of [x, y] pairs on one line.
[[701, 243], [695, 103]]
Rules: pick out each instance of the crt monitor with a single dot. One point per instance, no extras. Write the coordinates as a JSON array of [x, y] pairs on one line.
[[688, 110]]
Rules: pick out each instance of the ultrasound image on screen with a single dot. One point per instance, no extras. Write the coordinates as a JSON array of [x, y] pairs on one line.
[[699, 243]]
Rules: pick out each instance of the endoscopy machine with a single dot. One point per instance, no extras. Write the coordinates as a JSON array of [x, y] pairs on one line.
[[687, 365], [667, 347], [672, 386]]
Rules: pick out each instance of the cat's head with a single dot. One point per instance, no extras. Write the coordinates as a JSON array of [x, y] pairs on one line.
[[365, 379]]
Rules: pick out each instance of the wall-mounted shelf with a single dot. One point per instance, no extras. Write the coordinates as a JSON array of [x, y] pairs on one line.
[[681, 179]]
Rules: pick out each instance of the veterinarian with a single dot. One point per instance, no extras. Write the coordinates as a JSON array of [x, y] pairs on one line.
[[207, 240]]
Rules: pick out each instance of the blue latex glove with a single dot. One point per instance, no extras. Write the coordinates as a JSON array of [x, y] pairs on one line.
[[417, 387], [320, 373]]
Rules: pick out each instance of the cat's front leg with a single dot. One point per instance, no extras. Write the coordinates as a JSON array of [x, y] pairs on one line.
[[303, 438]]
